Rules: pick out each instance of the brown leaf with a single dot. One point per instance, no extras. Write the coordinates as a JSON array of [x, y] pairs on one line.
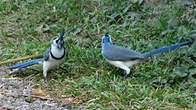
[[41, 26], [4, 108], [40, 92]]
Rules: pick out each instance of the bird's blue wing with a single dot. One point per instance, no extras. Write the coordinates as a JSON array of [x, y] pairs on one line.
[[47, 54], [117, 53]]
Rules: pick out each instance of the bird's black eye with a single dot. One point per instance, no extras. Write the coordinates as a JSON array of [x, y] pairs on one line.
[[56, 41]]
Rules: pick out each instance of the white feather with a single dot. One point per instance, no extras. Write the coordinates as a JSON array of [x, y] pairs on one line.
[[53, 63], [123, 64]]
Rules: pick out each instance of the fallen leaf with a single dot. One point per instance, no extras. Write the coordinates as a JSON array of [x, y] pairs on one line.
[[41, 26], [40, 92], [5, 108], [54, 8]]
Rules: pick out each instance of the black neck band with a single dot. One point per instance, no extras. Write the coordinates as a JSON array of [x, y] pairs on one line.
[[57, 58]]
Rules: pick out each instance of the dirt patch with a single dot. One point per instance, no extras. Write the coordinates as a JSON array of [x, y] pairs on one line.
[[16, 94]]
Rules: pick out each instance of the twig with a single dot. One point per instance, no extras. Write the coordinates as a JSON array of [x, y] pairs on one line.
[[52, 99], [20, 59], [6, 93], [46, 98]]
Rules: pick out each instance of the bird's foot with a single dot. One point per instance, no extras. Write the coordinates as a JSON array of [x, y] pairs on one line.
[[46, 80], [48, 85], [126, 76]]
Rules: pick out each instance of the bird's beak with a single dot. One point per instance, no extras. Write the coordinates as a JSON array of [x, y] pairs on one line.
[[60, 42]]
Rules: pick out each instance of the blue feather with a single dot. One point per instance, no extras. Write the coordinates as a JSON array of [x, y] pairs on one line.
[[166, 49], [26, 64]]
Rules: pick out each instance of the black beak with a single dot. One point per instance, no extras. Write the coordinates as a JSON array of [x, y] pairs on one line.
[[60, 40], [62, 33], [106, 34]]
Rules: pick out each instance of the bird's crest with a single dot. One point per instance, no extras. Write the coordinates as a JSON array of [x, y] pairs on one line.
[[62, 34]]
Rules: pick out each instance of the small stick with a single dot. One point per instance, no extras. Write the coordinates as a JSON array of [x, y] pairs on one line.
[[20, 59], [44, 98]]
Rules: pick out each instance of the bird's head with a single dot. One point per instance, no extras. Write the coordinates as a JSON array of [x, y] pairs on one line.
[[59, 42], [106, 39]]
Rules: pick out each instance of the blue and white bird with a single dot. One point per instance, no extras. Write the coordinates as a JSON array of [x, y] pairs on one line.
[[125, 58], [52, 58]]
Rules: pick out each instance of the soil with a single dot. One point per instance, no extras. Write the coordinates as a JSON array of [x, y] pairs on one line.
[[16, 94]]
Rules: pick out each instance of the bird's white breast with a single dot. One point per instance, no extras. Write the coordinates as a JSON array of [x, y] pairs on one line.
[[123, 63], [52, 63], [57, 52]]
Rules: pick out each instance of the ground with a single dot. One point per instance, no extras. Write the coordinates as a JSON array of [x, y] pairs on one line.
[[17, 94], [164, 81]]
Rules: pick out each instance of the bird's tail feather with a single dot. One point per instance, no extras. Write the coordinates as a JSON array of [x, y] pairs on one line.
[[166, 49], [26, 64]]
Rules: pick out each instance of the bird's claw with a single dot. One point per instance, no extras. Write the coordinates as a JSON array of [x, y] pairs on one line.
[[126, 76]]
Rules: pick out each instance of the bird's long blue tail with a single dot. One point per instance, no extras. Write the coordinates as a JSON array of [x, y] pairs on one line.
[[166, 49], [26, 64]]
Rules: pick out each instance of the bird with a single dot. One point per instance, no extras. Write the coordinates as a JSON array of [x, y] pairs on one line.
[[125, 58], [52, 58]]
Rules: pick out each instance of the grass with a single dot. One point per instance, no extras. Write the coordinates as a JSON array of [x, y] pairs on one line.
[[164, 81]]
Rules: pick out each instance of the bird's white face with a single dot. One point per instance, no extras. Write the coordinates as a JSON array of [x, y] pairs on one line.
[[58, 42]]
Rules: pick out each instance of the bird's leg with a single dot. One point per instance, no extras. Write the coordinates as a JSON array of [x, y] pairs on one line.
[[47, 79], [45, 75], [127, 70], [127, 73]]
